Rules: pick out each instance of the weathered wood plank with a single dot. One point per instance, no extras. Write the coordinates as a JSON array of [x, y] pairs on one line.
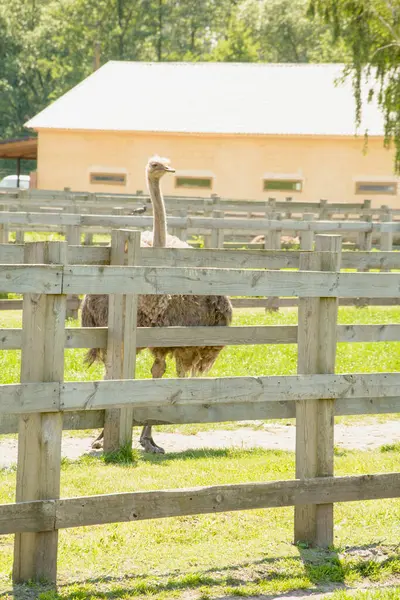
[[218, 413], [36, 279], [137, 506], [88, 337], [293, 302], [330, 253], [39, 439], [233, 282], [305, 520], [73, 396], [143, 393]]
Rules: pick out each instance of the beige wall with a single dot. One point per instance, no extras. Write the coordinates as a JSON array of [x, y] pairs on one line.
[[329, 166]]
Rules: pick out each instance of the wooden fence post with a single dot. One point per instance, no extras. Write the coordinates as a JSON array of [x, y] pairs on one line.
[[121, 341], [217, 235], [181, 232], [307, 237], [3, 228], [208, 203], [364, 244], [365, 237], [288, 214], [73, 232], [273, 242], [323, 210], [39, 439], [315, 418], [386, 236]]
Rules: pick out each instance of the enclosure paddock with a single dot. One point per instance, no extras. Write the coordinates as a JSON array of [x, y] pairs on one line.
[[314, 396]]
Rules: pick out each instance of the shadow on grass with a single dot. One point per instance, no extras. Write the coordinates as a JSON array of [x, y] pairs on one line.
[[127, 456], [314, 570]]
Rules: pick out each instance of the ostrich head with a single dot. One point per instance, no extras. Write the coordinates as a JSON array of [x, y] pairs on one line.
[[157, 167]]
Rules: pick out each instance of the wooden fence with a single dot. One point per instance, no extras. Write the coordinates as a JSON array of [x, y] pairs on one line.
[[214, 228], [248, 259], [314, 396], [28, 200]]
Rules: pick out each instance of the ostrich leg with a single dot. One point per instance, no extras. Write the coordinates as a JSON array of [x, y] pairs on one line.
[[146, 439]]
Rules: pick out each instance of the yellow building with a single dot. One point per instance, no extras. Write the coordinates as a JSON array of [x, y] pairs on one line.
[[237, 130]]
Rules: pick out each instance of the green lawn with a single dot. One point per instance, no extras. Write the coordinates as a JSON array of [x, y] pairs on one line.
[[217, 555], [229, 554]]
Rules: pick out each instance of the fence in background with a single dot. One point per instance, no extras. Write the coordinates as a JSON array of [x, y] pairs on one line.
[[313, 397], [26, 200], [214, 228]]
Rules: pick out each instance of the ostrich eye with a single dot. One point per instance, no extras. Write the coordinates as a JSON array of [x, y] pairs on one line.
[[153, 164]]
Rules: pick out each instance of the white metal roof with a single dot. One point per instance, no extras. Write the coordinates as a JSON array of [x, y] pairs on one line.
[[225, 98]]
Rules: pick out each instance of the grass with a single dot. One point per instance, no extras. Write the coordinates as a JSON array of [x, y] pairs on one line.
[[217, 555], [229, 554]]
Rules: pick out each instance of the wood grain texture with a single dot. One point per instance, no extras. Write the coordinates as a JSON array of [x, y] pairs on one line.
[[231, 282], [39, 439], [142, 393], [136, 506], [317, 333], [96, 337], [216, 413]]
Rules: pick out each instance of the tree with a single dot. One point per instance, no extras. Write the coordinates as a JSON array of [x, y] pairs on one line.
[[371, 31], [284, 33]]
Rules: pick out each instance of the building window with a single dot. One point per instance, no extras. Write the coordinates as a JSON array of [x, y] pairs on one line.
[[193, 182], [283, 185], [108, 178], [373, 187]]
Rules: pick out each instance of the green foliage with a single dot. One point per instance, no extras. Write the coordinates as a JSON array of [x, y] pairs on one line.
[[48, 46], [370, 30]]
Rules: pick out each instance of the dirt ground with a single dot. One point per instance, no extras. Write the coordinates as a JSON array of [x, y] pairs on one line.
[[270, 436]]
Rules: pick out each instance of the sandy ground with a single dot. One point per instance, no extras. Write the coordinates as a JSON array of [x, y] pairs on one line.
[[269, 436]]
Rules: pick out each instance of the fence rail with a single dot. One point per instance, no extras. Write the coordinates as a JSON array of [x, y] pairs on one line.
[[45, 403], [52, 515], [24, 199], [215, 258], [213, 228]]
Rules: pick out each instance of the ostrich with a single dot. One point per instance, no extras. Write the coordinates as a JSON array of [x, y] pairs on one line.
[[165, 310]]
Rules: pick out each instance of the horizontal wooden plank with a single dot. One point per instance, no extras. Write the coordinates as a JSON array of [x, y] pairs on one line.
[[217, 413], [11, 254], [27, 516], [73, 396], [232, 282], [38, 279], [136, 506], [293, 302], [20, 398], [46, 515], [369, 333], [90, 419], [232, 390], [188, 257], [165, 337], [354, 259], [195, 223]]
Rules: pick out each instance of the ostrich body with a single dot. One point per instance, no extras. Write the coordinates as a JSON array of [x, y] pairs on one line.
[[164, 310]]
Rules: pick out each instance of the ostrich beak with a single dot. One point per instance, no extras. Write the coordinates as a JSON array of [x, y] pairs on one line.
[[169, 169]]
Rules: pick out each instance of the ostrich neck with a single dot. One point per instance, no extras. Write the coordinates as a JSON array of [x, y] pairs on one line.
[[159, 216]]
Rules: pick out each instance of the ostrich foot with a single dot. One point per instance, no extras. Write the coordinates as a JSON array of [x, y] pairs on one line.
[[97, 445], [150, 446], [98, 442]]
